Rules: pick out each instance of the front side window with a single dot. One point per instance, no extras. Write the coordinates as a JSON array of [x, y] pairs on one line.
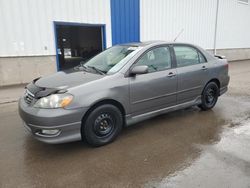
[[186, 56], [157, 59]]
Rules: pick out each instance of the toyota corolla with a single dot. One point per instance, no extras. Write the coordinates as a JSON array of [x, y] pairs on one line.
[[122, 85]]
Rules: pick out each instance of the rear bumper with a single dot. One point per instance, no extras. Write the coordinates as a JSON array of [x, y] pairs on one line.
[[66, 124], [225, 82], [223, 90]]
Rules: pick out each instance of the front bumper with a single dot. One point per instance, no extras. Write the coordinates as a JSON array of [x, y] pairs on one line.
[[66, 122]]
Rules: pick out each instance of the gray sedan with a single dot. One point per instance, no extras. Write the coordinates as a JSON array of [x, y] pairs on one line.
[[122, 85]]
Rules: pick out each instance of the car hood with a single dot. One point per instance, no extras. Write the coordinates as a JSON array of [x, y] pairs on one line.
[[67, 79]]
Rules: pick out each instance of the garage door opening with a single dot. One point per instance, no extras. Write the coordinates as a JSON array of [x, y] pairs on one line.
[[77, 43]]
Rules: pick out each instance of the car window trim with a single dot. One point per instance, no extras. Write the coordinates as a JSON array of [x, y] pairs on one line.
[[200, 54], [152, 48]]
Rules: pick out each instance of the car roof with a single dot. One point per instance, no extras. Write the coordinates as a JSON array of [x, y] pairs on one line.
[[142, 44], [155, 42], [148, 44]]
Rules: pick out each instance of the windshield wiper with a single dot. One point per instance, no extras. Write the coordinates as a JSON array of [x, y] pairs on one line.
[[96, 70], [81, 68]]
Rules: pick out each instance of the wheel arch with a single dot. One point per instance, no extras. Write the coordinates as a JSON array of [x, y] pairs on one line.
[[215, 80], [102, 102], [203, 104]]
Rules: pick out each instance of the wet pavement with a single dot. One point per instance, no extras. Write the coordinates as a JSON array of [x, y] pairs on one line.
[[187, 148]]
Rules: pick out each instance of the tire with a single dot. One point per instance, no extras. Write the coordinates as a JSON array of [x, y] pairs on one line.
[[102, 125], [209, 96]]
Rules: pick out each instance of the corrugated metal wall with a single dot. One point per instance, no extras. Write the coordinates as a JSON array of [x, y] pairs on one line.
[[125, 21], [27, 25], [233, 25], [164, 19]]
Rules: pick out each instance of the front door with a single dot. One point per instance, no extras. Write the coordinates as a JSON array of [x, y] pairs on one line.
[[156, 89]]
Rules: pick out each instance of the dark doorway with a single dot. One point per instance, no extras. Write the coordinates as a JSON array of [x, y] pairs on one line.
[[76, 43]]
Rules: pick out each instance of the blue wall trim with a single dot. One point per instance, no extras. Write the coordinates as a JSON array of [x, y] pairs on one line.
[[125, 21], [55, 35]]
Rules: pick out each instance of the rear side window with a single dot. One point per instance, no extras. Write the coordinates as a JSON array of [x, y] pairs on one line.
[[186, 56], [157, 59]]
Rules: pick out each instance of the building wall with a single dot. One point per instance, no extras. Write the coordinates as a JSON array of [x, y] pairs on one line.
[[233, 25], [28, 51], [17, 70], [163, 20], [27, 47], [125, 21], [27, 26]]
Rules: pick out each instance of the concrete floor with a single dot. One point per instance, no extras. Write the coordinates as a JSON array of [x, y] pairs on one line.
[[187, 148]]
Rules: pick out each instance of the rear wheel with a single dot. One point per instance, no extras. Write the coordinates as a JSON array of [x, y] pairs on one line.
[[209, 96], [102, 125]]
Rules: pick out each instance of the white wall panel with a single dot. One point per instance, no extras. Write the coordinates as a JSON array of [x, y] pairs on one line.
[[233, 25], [27, 25], [164, 19]]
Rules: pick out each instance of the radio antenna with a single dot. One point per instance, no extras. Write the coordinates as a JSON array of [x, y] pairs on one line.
[[179, 34]]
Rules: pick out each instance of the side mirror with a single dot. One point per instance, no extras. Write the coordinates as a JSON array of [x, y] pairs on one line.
[[140, 69]]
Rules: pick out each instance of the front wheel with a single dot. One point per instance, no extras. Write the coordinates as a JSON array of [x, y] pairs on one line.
[[102, 125], [209, 96]]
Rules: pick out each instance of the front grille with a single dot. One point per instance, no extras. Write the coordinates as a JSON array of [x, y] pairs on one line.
[[28, 97]]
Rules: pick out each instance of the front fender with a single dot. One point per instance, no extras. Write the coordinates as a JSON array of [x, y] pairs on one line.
[[113, 88]]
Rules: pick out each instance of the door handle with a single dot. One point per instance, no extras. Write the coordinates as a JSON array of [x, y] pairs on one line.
[[204, 68], [171, 74]]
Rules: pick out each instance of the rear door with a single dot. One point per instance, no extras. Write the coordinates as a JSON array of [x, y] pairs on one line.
[[156, 89], [192, 70]]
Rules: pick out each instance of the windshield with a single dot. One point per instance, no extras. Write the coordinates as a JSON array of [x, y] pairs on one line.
[[111, 60]]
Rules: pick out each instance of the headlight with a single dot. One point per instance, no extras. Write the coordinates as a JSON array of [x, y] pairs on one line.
[[54, 101]]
